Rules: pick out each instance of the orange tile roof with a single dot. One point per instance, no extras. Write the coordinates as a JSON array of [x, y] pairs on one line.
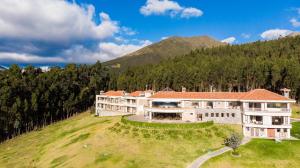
[[135, 93], [257, 94], [263, 94], [114, 93]]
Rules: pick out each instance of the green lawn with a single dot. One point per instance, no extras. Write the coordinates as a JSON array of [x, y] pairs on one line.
[[296, 111], [296, 129], [262, 153], [88, 141]]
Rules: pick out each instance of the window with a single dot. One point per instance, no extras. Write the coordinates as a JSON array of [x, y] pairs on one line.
[[247, 128], [206, 114], [222, 114], [262, 130], [195, 104], [254, 105], [285, 130], [227, 114], [277, 105], [217, 114], [278, 130], [232, 114], [212, 114], [191, 113]]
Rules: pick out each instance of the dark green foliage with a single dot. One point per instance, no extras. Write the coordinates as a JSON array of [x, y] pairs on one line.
[[31, 99], [269, 64], [165, 125]]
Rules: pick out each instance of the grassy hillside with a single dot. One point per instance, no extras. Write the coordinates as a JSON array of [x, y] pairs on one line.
[[262, 153], [167, 48], [88, 141]]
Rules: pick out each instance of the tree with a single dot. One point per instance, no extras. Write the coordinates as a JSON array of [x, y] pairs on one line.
[[233, 141]]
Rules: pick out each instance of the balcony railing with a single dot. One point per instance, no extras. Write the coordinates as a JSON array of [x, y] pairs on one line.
[[280, 110]]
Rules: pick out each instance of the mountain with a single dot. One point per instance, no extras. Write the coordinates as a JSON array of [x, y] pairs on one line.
[[171, 47], [2, 68]]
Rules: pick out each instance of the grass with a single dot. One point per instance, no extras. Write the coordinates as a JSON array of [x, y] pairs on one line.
[[296, 111], [262, 153], [88, 141], [295, 132]]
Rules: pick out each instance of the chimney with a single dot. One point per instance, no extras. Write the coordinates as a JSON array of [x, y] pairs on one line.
[[183, 89], [211, 88], [286, 92], [101, 92]]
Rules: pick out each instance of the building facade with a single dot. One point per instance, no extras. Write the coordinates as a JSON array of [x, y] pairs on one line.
[[261, 113]]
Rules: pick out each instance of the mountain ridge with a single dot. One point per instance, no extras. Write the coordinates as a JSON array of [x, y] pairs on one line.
[[164, 49]]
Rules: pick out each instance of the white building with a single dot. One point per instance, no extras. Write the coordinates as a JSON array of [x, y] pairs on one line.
[[262, 113]]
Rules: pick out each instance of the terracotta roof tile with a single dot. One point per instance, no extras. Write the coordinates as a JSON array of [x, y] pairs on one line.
[[263, 94], [115, 93], [136, 93], [256, 94]]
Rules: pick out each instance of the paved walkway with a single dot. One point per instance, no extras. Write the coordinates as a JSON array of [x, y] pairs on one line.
[[202, 159]]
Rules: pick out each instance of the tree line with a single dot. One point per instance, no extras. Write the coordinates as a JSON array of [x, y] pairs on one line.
[[264, 64], [31, 99]]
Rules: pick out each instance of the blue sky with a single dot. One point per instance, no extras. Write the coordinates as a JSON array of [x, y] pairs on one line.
[[84, 31]]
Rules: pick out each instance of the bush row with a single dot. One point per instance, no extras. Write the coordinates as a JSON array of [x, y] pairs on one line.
[[125, 120]]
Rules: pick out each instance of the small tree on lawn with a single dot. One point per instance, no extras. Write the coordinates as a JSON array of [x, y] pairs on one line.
[[233, 141]]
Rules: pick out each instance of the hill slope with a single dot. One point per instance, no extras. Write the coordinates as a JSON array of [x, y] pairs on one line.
[[88, 141], [171, 47]]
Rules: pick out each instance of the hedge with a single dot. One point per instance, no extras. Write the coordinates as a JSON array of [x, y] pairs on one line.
[[125, 120]]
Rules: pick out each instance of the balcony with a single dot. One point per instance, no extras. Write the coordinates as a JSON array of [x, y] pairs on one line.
[[279, 110]]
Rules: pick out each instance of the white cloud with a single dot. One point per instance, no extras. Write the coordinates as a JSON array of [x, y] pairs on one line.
[[164, 38], [78, 54], [295, 22], [191, 12], [245, 35], [229, 40], [52, 21], [105, 51], [128, 31], [168, 7], [275, 33], [27, 58]]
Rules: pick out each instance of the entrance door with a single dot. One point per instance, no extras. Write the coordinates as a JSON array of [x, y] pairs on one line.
[[199, 117], [271, 132]]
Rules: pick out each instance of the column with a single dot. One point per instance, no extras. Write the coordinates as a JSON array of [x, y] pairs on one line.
[[150, 115]]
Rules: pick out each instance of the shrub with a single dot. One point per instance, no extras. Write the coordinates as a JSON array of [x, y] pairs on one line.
[[146, 135], [160, 137], [166, 125], [233, 141]]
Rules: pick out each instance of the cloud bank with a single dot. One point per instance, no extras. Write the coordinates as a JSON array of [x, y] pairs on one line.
[[275, 34], [59, 31], [168, 7]]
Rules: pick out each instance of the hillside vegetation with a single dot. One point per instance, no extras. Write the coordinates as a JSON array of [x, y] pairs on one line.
[[168, 48], [269, 64], [88, 141]]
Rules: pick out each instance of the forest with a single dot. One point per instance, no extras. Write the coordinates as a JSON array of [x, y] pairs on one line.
[[264, 64], [31, 99]]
